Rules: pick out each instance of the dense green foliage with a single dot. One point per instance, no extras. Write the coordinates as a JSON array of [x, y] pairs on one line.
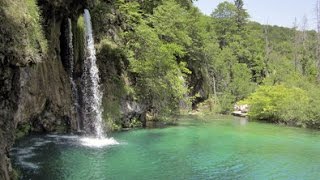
[[177, 56], [290, 105], [153, 58]]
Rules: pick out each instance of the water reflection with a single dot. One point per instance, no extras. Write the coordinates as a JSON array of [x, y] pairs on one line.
[[242, 121]]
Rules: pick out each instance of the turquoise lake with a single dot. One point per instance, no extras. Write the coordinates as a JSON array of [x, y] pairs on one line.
[[211, 148]]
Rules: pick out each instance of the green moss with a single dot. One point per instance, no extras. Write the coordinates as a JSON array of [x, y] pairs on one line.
[[78, 39], [15, 174], [22, 30], [61, 128], [35, 31], [22, 130], [136, 123], [112, 63], [114, 126]]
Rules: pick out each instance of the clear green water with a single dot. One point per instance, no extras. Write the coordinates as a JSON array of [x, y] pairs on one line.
[[216, 149]]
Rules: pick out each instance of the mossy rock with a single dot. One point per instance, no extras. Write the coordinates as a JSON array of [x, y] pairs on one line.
[[22, 130]]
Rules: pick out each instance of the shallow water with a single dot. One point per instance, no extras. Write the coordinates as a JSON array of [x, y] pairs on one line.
[[212, 149]]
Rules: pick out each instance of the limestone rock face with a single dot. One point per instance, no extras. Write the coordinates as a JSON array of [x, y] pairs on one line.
[[131, 110], [34, 92]]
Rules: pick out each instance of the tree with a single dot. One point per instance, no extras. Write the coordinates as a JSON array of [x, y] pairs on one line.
[[224, 16], [153, 48], [296, 45], [318, 38], [170, 22], [268, 50], [241, 15]]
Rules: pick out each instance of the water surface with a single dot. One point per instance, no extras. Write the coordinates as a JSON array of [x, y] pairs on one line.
[[212, 149]]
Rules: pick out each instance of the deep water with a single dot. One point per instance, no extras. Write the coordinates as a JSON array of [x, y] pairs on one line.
[[195, 149]]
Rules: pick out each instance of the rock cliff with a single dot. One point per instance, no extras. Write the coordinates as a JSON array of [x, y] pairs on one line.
[[35, 92]]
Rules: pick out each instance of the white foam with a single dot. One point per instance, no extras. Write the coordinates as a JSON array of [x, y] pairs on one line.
[[52, 135], [62, 136], [23, 151], [93, 142], [68, 137], [98, 142], [24, 155], [41, 143], [28, 165]]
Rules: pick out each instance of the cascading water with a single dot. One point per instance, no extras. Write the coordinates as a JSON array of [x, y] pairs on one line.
[[74, 88], [92, 94]]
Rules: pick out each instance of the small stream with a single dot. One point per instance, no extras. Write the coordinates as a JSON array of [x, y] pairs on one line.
[[214, 148]]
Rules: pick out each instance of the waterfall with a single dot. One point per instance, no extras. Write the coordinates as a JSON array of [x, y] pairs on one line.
[[74, 88], [92, 96], [92, 110]]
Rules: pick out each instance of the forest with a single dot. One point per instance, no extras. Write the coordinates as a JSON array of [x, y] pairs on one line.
[[176, 56]]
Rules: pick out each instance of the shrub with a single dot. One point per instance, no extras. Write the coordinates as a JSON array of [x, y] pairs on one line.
[[279, 104]]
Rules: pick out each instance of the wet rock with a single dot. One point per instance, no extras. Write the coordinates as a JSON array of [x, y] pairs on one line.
[[131, 111]]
